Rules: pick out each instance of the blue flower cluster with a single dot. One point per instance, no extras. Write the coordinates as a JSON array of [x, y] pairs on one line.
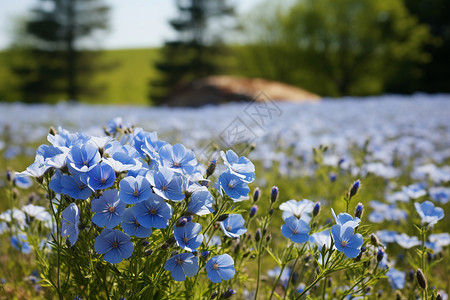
[[132, 186]]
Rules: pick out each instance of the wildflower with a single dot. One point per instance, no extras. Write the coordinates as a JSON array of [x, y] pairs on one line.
[[414, 191], [296, 230], [188, 236], [37, 212], [19, 242], [359, 210], [108, 209], [201, 202], [182, 265], [345, 241], [71, 220], [101, 176], [84, 158], [406, 241], [345, 219], [178, 159], [114, 244], [166, 184], [239, 166], [299, 209], [220, 267], [153, 212], [131, 225], [428, 213], [134, 189], [72, 186], [233, 226], [321, 239], [233, 186]]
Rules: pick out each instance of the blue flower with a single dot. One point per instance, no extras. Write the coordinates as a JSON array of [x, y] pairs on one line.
[[345, 241], [240, 166], [178, 158], [134, 189], [299, 209], [166, 184], [115, 125], [72, 186], [131, 225], [182, 265], [153, 212], [23, 181], [396, 278], [114, 244], [84, 158], [296, 230], [36, 169], [346, 219], [101, 176], [108, 209], [201, 201], [428, 213], [414, 191], [406, 241], [188, 236], [440, 194], [386, 236], [233, 186], [220, 267], [320, 239], [233, 226], [19, 242], [71, 219]]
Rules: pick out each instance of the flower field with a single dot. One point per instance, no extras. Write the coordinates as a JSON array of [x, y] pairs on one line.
[[344, 199]]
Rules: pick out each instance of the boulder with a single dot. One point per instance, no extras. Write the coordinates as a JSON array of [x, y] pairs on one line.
[[222, 89]]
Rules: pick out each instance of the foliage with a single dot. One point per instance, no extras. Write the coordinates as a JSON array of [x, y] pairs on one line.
[[195, 51], [53, 46], [344, 47]]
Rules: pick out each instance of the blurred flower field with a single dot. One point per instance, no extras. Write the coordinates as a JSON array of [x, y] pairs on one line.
[[343, 199]]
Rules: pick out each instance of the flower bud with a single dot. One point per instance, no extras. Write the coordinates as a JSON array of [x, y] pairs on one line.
[[253, 211], [258, 235], [410, 275], [148, 252], [145, 243], [398, 295], [274, 194], [438, 296], [52, 131], [222, 218], [9, 176], [183, 221], [332, 176], [374, 240], [227, 294], [31, 197], [211, 168], [173, 253], [205, 254], [354, 189], [271, 211], [421, 279], [214, 295], [359, 210], [256, 194], [380, 254], [316, 209], [268, 238]]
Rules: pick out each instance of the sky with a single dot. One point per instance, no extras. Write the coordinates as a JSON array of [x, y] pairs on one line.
[[133, 23]]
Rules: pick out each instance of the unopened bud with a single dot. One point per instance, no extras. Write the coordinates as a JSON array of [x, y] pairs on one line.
[[31, 197], [268, 238], [380, 254], [148, 252], [15, 193], [438, 296], [52, 131], [253, 211], [145, 243], [211, 168], [271, 211], [205, 254], [214, 295], [421, 279], [256, 194], [359, 210], [258, 235], [274, 194], [316, 209], [222, 218], [332, 176], [227, 294], [173, 253], [398, 295], [374, 240], [10, 176], [354, 189], [183, 221]]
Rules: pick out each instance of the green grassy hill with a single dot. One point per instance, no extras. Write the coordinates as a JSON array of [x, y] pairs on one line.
[[128, 82]]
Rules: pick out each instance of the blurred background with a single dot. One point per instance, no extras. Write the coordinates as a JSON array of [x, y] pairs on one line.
[[194, 52]]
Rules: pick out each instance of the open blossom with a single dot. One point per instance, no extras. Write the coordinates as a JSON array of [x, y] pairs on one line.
[[345, 241]]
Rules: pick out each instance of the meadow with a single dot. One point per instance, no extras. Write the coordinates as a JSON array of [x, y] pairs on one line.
[[341, 199]]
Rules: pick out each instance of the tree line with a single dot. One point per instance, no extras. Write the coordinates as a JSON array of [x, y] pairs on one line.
[[330, 47]]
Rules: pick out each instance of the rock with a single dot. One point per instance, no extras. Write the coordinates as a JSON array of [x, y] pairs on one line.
[[222, 89]]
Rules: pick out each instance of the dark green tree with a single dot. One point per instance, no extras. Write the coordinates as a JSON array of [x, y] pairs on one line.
[[54, 44], [335, 47], [194, 54]]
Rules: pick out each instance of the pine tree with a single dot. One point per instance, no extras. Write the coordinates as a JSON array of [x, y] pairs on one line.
[[194, 53], [55, 41]]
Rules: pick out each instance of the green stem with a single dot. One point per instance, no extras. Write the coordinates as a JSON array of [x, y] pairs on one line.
[[290, 276], [281, 272]]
